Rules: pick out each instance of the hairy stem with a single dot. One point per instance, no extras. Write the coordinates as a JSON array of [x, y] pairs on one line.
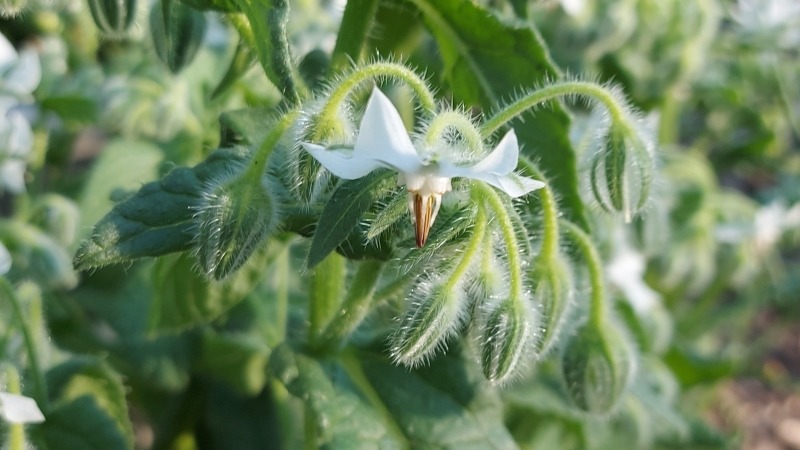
[[594, 264], [553, 91], [453, 120]]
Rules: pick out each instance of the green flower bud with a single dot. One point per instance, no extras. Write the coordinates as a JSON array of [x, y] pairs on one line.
[[35, 255], [235, 217], [436, 309], [177, 37], [57, 216], [621, 171], [113, 17], [554, 291], [597, 366], [506, 339]]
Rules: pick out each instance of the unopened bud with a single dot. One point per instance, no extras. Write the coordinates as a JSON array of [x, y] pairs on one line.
[[177, 37], [621, 171], [435, 311], [113, 17], [236, 215], [597, 367], [506, 338]]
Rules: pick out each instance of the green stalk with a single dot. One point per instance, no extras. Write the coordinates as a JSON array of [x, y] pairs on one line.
[[597, 309], [556, 90], [457, 121], [259, 162], [40, 388], [490, 197], [328, 119], [355, 307], [327, 288], [550, 233]]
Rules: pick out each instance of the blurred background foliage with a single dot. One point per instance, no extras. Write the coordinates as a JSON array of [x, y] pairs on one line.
[[151, 355]]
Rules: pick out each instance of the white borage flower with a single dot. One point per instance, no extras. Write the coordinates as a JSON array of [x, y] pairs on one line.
[[19, 409], [383, 142]]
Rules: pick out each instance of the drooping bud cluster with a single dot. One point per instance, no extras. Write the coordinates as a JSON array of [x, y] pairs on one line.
[[177, 33], [113, 17]]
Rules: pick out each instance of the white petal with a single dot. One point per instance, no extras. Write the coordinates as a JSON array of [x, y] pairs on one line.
[[382, 136], [25, 75], [341, 164], [5, 259], [20, 136], [19, 409], [7, 53], [12, 176], [512, 184], [503, 159]]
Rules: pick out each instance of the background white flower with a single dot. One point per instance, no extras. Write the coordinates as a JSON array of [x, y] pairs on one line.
[[19, 409], [20, 74]]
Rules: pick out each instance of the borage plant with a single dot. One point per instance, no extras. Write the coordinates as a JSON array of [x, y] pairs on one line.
[[370, 256]]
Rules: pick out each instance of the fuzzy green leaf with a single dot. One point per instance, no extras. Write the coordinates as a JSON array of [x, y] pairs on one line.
[[237, 359], [341, 415], [82, 424], [358, 15], [82, 377], [486, 61], [362, 401], [451, 406], [342, 213], [183, 298], [155, 221]]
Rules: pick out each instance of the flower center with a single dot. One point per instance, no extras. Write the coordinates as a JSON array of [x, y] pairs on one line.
[[425, 192]]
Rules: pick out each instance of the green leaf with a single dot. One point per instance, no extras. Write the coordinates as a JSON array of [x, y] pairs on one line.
[[82, 424], [342, 213], [268, 19], [83, 377], [234, 422], [122, 166], [487, 61], [72, 108], [363, 400], [239, 360], [341, 417], [183, 298], [356, 23], [155, 221], [450, 407]]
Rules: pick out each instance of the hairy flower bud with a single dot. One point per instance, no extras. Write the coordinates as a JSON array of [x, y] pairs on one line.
[[621, 171], [554, 291], [177, 37], [435, 311], [506, 337], [597, 367], [236, 215], [113, 17]]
